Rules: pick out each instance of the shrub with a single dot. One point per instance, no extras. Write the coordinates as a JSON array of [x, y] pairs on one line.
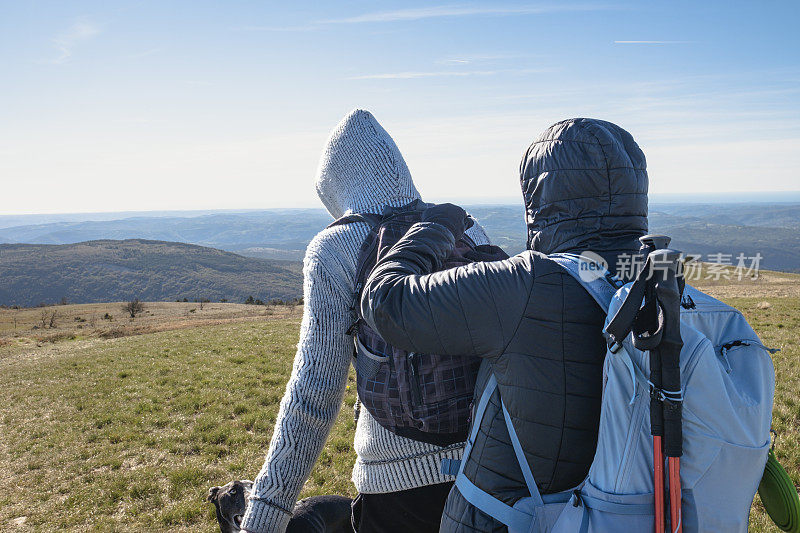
[[133, 308]]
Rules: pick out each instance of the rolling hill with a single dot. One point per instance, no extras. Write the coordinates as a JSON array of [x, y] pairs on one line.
[[59, 264], [114, 270], [697, 228], [270, 234]]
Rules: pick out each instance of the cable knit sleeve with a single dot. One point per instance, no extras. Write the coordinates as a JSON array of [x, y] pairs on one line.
[[312, 399]]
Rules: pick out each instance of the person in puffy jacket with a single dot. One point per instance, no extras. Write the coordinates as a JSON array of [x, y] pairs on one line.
[[584, 184]]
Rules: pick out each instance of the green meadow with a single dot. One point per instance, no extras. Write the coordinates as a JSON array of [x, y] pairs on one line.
[[127, 431]]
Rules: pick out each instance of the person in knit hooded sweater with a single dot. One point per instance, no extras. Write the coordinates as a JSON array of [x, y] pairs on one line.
[[361, 171]]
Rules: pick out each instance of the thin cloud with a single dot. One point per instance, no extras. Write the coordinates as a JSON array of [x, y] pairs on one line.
[[415, 75], [441, 11], [653, 42], [144, 53], [458, 11], [81, 30], [410, 75], [466, 59], [302, 27]]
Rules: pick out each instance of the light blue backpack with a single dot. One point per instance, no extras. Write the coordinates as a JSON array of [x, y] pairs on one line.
[[727, 384]]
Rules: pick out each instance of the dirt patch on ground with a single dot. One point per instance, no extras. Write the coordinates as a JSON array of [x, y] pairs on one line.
[[768, 284], [31, 334]]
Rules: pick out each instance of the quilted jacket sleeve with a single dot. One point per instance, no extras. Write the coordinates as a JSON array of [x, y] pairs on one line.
[[470, 310]]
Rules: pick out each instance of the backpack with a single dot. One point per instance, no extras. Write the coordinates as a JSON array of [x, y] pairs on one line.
[[424, 397], [726, 392]]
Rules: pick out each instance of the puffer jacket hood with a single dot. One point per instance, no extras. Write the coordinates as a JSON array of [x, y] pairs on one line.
[[361, 169], [584, 183]]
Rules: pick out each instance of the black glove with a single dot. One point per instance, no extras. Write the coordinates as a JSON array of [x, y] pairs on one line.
[[450, 216]]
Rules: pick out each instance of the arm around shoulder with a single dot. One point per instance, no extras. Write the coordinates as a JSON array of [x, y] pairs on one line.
[[470, 310]]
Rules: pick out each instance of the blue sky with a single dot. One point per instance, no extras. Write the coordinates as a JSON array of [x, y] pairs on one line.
[[196, 105]]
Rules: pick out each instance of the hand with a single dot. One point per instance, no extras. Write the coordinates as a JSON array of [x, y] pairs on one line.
[[450, 216]]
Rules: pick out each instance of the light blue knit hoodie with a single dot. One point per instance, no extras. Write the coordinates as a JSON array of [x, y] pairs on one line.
[[361, 170]]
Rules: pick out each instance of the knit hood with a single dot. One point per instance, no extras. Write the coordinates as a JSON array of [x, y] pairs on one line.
[[361, 169], [584, 183]]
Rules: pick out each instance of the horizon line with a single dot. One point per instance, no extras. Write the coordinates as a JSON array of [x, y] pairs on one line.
[[706, 197]]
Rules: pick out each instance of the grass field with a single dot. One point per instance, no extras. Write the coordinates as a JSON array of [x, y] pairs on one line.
[[122, 425]]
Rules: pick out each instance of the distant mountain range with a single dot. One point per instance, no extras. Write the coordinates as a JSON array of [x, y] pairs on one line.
[[271, 234], [142, 256], [113, 270], [773, 230], [768, 228]]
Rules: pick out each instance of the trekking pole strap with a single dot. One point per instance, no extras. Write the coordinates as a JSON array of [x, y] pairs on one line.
[[645, 321], [668, 293], [622, 322]]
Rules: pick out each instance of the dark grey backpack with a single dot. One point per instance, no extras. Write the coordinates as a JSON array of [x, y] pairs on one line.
[[425, 397]]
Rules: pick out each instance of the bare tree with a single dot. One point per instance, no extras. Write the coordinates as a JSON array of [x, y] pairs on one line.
[[52, 319], [133, 308], [43, 318], [14, 318]]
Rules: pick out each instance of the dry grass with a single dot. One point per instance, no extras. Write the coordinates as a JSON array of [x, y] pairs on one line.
[[767, 285], [127, 433], [28, 330]]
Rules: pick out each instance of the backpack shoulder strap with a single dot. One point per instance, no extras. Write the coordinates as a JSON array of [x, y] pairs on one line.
[[514, 518], [374, 222], [597, 281], [371, 219]]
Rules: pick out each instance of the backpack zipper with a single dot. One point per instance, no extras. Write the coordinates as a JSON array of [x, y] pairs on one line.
[[416, 393], [725, 348], [637, 420]]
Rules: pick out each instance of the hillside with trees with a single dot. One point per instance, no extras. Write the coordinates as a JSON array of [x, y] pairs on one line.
[[109, 270]]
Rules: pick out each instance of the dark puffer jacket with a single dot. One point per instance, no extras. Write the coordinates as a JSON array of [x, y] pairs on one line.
[[539, 332]]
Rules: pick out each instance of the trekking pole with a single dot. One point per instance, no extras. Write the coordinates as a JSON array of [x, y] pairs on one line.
[[655, 328], [649, 244], [666, 266]]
